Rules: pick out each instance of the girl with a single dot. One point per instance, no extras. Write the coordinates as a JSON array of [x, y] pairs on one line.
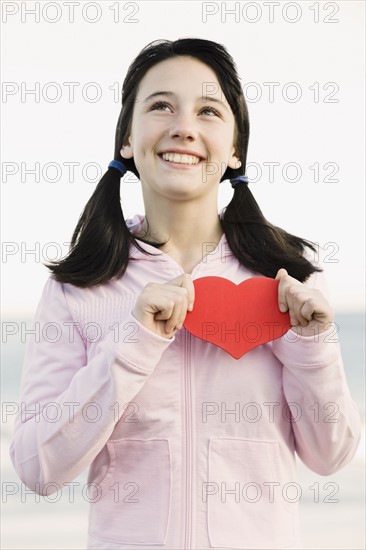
[[187, 446]]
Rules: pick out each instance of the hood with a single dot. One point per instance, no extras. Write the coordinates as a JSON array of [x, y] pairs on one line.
[[211, 254]]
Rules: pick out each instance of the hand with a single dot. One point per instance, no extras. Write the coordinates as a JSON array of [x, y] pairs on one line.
[[162, 308], [308, 308]]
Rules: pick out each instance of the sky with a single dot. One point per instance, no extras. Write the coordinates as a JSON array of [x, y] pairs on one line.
[[301, 66]]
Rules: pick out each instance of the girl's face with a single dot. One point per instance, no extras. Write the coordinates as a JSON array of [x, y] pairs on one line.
[[171, 114]]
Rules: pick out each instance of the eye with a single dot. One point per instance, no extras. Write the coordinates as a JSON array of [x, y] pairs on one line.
[[158, 104], [212, 110]]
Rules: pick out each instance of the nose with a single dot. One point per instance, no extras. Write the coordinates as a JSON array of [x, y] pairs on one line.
[[183, 126]]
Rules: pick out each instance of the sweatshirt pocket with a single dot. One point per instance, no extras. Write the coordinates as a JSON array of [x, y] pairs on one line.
[[244, 495], [131, 504]]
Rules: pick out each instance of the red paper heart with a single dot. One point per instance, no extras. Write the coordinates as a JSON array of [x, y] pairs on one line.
[[237, 318]]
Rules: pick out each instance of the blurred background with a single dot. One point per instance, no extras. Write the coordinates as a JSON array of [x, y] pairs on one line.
[[302, 70]]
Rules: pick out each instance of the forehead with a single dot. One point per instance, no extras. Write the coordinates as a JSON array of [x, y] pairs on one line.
[[184, 73]]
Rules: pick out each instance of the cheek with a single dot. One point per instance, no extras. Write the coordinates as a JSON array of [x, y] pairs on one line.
[[219, 138], [146, 141], [227, 147]]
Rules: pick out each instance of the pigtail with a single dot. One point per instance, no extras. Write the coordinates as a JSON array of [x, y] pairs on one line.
[[99, 248], [100, 243], [100, 239], [259, 245]]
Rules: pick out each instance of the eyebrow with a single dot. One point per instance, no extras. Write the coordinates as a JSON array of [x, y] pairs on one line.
[[172, 94]]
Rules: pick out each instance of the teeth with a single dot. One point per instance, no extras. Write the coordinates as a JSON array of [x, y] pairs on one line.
[[181, 159]]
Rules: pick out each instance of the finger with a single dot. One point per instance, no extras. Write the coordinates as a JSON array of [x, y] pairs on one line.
[[289, 297], [179, 311], [181, 317], [308, 309], [282, 286], [188, 284], [281, 273], [296, 316], [185, 281], [297, 301], [167, 303], [176, 320], [166, 307], [291, 307]]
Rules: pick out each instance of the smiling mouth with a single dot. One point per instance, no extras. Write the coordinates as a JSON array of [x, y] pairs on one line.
[[180, 159]]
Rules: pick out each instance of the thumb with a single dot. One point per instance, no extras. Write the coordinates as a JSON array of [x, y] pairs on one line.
[[281, 273], [181, 280]]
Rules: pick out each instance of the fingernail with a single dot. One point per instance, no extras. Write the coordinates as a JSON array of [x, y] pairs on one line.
[[283, 308], [190, 307]]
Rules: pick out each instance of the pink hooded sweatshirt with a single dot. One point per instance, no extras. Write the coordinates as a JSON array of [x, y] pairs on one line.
[[188, 448]]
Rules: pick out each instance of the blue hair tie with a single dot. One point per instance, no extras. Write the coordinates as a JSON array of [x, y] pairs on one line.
[[239, 179], [118, 166]]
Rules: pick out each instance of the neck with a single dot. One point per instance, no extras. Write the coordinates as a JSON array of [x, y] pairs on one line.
[[185, 225]]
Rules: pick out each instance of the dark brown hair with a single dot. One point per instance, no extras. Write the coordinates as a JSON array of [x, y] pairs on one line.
[[101, 240]]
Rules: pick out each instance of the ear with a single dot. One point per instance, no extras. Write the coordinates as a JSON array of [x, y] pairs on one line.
[[127, 150], [234, 161]]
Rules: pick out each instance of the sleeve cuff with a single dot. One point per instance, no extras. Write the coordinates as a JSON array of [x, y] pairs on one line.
[[137, 345], [318, 350]]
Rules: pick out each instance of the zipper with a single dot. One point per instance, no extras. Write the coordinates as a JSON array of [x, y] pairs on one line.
[[188, 444]]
